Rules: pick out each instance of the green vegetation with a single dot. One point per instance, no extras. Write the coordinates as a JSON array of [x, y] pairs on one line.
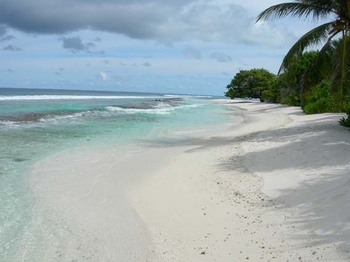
[[250, 83], [345, 121], [318, 81], [320, 99]]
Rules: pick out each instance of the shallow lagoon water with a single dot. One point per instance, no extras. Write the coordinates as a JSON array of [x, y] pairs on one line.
[[36, 123]]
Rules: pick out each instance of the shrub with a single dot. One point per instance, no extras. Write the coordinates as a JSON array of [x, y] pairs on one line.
[[290, 97], [345, 121], [271, 93], [320, 100], [250, 83]]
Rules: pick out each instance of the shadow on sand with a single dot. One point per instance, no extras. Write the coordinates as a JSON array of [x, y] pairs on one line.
[[318, 146]]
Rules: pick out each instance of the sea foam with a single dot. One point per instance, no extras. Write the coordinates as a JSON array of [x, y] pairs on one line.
[[158, 110]]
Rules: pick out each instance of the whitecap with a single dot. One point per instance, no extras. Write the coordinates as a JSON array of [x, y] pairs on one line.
[[160, 109]]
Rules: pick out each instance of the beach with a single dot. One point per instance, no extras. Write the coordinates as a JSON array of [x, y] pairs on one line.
[[274, 189], [271, 187], [68, 162], [174, 131]]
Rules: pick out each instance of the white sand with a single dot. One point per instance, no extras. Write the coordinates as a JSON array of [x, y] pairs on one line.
[[81, 207], [276, 188]]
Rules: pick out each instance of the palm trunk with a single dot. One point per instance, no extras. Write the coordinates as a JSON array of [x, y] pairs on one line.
[[342, 68]]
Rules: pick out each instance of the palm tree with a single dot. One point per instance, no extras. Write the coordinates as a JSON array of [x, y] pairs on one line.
[[334, 35]]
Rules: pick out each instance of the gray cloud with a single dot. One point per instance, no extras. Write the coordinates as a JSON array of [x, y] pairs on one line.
[[221, 57], [191, 52], [75, 44], [7, 38], [135, 18], [12, 48], [3, 31], [4, 36], [59, 71], [163, 20], [144, 64]]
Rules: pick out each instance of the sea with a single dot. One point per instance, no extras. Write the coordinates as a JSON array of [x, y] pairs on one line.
[[35, 123]]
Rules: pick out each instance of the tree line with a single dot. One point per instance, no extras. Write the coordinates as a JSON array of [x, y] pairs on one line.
[[318, 81]]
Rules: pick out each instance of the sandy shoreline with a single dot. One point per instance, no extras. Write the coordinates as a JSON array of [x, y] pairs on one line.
[[243, 194], [274, 188]]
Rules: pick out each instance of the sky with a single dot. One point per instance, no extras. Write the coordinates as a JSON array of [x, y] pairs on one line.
[[162, 46]]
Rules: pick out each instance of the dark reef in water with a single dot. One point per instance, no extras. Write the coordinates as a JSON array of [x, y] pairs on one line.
[[35, 117], [170, 101], [44, 115]]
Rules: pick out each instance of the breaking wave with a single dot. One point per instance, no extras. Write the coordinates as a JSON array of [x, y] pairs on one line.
[[34, 119], [158, 110]]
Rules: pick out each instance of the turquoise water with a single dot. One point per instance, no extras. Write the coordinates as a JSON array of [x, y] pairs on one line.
[[35, 123]]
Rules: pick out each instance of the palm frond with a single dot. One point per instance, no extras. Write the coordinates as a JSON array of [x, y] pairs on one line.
[[313, 37], [326, 4], [299, 9], [341, 68], [343, 9], [320, 67]]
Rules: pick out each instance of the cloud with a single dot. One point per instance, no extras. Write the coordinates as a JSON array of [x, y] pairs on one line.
[[75, 44], [193, 53], [136, 64], [59, 71], [12, 48], [221, 57], [104, 76], [7, 38], [231, 23], [3, 31], [135, 18], [161, 20], [4, 36]]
